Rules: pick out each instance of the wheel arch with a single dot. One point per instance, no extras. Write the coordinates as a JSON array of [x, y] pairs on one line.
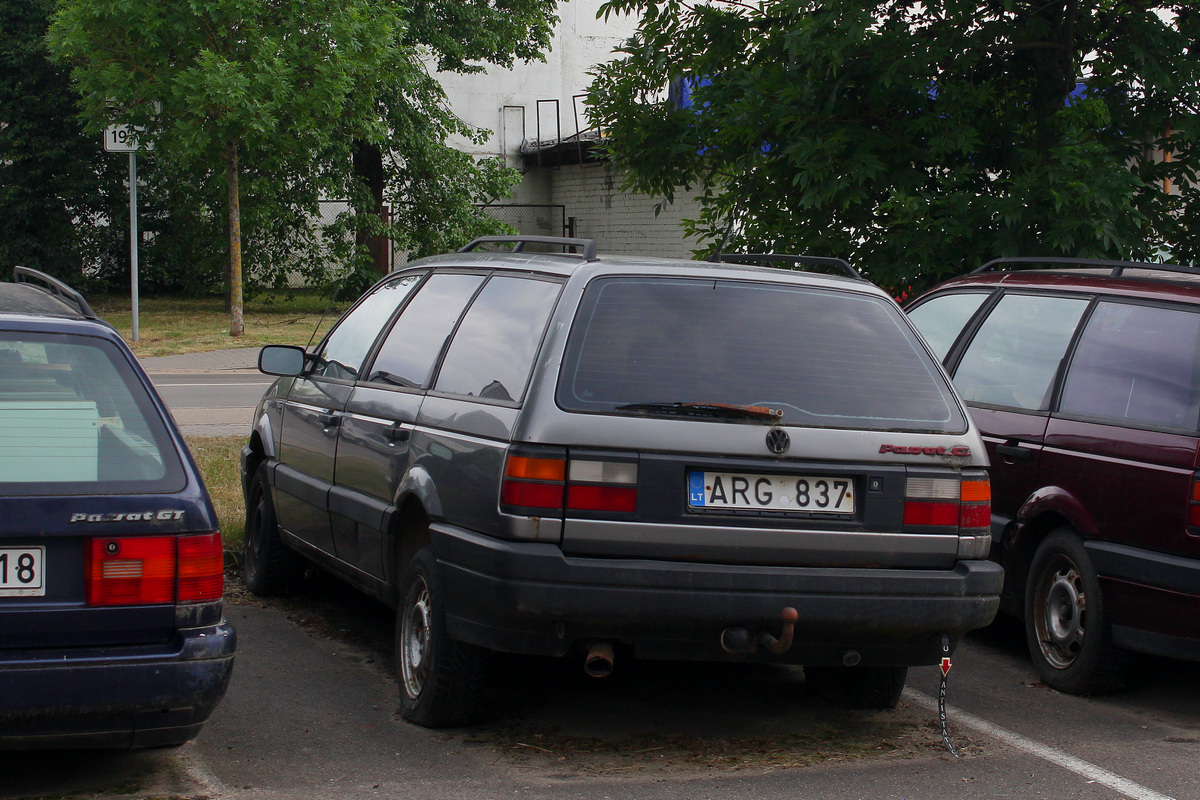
[[407, 534], [1020, 550]]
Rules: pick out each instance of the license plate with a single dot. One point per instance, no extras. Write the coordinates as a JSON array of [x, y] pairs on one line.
[[810, 493], [22, 571]]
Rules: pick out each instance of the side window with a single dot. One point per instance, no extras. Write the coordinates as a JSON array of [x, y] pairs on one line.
[[941, 319], [492, 352], [342, 353], [411, 349], [1015, 354], [1137, 365]]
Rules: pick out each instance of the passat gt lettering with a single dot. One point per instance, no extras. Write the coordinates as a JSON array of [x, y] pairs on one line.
[[918, 450], [128, 516]]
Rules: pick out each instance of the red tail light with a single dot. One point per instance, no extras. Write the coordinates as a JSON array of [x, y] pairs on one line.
[[534, 482], [549, 481], [201, 568], [131, 571], [962, 506], [154, 570]]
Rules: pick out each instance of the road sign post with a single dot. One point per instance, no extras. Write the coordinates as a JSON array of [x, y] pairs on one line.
[[124, 139]]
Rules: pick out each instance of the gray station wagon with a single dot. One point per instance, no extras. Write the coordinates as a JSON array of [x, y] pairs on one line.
[[555, 453]]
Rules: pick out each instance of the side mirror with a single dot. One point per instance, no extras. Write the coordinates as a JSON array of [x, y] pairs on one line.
[[282, 359]]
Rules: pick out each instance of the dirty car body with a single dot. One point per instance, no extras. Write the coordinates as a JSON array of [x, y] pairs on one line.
[[679, 459], [112, 632]]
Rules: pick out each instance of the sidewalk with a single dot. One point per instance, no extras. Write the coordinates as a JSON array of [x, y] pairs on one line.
[[219, 421], [240, 358]]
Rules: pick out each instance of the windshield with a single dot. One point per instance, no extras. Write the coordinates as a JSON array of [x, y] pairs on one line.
[[813, 357]]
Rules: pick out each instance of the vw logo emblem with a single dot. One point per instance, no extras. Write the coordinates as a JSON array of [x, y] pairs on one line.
[[778, 441]]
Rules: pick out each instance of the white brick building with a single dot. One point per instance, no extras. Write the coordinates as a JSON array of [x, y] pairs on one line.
[[542, 105]]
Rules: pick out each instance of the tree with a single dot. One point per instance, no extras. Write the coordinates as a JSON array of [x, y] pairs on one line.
[[55, 181], [279, 100], [917, 139]]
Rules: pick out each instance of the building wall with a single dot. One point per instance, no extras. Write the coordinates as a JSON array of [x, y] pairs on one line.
[[506, 101], [620, 221]]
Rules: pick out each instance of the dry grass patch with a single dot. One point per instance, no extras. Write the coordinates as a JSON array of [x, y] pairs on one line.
[[218, 459], [174, 325]]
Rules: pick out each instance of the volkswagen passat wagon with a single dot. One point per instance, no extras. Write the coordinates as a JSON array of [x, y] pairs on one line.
[[1084, 377], [112, 632], [554, 453]]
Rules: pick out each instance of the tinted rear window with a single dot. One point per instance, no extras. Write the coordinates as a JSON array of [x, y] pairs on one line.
[[75, 419], [824, 358]]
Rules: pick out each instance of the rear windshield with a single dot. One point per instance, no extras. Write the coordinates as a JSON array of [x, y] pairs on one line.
[[74, 419], [818, 357]]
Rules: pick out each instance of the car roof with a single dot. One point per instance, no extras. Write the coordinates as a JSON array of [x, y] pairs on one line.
[[1136, 280], [567, 265], [24, 298]]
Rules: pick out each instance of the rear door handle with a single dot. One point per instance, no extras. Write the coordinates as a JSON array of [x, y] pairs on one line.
[[395, 433], [1015, 452], [329, 420]]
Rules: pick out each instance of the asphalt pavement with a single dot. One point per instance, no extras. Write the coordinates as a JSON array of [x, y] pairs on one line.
[[219, 419]]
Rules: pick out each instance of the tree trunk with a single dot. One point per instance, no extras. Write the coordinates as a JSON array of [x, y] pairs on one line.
[[368, 168], [236, 326]]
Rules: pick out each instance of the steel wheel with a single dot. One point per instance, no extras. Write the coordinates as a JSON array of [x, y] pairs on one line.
[[1066, 625], [415, 634], [439, 677], [1060, 612]]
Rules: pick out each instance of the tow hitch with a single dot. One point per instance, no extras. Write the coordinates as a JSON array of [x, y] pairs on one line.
[[945, 667], [740, 640]]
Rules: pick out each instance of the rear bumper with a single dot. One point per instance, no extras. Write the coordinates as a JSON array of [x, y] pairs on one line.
[[530, 598], [115, 697]]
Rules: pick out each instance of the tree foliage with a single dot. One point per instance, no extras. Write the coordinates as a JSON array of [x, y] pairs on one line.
[[55, 183], [291, 91], [917, 139]]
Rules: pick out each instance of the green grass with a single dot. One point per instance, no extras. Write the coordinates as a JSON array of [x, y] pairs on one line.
[[217, 457], [174, 325]]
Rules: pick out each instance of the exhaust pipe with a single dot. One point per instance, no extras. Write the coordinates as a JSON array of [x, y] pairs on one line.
[[599, 661]]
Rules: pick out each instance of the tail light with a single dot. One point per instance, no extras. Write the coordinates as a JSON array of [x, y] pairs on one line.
[[952, 505], [548, 481], [602, 486], [154, 570]]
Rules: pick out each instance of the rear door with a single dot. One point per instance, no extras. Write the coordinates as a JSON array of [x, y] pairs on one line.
[[377, 428], [1007, 373], [1123, 440]]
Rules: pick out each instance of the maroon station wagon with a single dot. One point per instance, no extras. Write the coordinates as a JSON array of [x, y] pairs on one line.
[[1084, 378]]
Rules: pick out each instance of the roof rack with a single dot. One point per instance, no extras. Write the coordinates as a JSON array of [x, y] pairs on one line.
[[588, 245], [55, 287], [1118, 267], [771, 258]]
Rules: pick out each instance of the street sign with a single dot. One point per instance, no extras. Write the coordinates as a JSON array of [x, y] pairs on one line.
[[122, 138]]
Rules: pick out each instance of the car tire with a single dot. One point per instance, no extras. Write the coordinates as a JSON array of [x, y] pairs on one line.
[[269, 567], [1066, 624], [868, 688], [440, 678]]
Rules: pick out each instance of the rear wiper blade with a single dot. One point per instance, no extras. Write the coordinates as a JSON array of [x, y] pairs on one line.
[[718, 410]]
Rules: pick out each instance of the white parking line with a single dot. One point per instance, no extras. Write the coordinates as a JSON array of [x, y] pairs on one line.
[[196, 770], [1132, 790]]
